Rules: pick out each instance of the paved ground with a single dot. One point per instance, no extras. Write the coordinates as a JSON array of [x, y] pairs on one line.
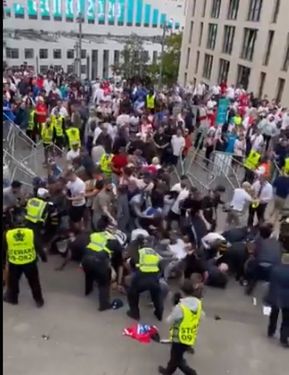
[[82, 340]]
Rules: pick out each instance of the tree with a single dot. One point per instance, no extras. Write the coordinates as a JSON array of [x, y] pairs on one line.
[[134, 58], [171, 60]]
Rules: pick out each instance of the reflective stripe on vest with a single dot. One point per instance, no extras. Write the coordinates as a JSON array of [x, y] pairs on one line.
[[31, 122], [34, 210], [105, 163], [148, 260], [73, 136], [186, 331], [57, 124], [98, 242], [20, 244], [150, 101], [252, 160], [47, 133]]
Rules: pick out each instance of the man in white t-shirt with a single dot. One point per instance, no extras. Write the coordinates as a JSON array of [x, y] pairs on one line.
[[183, 191], [178, 143], [241, 199], [76, 195], [73, 153]]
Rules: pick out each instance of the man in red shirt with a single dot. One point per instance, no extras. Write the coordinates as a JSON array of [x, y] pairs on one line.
[[119, 161]]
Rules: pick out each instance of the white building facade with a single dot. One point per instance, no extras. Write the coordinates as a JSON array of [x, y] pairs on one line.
[[241, 41], [46, 32]]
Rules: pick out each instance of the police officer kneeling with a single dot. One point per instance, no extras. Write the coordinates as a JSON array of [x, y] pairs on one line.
[[21, 247], [146, 277], [100, 254]]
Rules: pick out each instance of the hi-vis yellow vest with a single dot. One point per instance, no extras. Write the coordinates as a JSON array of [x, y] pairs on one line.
[[20, 244], [47, 133], [150, 101], [186, 331], [57, 124], [98, 242], [286, 166], [73, 136], [31, 122], [252, 160], [148, 260], [105, 163], [34, 210]]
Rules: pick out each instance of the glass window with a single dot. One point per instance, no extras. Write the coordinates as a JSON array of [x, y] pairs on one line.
[[208, 64], [163, 20], [155, 57], [255, 8], [188, 57], [43, 69], [83, 69], [197, 62], [250, 36], [43, 53], [147, 15], [261, 84], [243, 76], [90, 11], [204, 8], [83, 53], [70, 53], [57, 53], [28, 53], [155, 18], [70, 69], [57, 11], [285, 64], [216, 7], [280, 89], [120, 12], [105, 63], [69, 10], [111, 12], [116, 57], [18, 10], [269, 47], [276, 11], [233, 9], [44, 9], [193, 8], [177, 26], [201, 33], [229, 34], [212, 35], [7, 12], [191, 32], [32, 9], [12, 53], [139, 10], [130, 11], [224, 68]]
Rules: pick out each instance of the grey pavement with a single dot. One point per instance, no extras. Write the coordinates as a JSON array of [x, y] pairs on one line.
[[83, 340]]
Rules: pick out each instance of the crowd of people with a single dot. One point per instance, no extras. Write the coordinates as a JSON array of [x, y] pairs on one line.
[[114, 204]]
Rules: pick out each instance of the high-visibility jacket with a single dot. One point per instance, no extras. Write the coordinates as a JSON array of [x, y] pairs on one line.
[[148, 260], [57, 123], [252, 160], [20, 246], [31, 120], [98, 242], [186, 330], [286, 166], [105, 163], [47, 133], [35, 210], [237, 120], [73, 136], [150, 101]]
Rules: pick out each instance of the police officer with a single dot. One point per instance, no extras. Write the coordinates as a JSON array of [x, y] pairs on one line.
[[101, 254], [146, 277], [20, 247], [73, 136], [184, 320], [58, 124]]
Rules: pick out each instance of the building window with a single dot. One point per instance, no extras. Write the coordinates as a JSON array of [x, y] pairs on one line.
[[83, 53], [43, 69], [243, 76], [280, 89], [194, 8], [185, 79], [204, 8], [70, 69], [201, 33], [43, 53], [250, 36], [28, 53], [255, 8], [269, 47], [285, 65], [116, 57], [70, 53], [197, 62], [229, 35], [155, 57], [191, 32], [83, 69], [57, 53], [216, 6], [208, 64], [276, 11], [224, 70], [261, 84], [105, 63], [12, 53], [188, 58], [233, 9], [212, 35]]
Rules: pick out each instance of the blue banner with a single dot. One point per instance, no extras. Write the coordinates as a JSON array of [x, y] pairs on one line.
[[222, 111]]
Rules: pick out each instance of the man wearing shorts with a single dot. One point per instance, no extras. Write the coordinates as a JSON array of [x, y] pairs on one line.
[[76, 195]]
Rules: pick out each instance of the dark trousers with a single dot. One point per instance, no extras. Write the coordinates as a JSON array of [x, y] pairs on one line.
[[30, 271], [97, 270], [141, 283], [259, 211], [177, 360], [284, 330]]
